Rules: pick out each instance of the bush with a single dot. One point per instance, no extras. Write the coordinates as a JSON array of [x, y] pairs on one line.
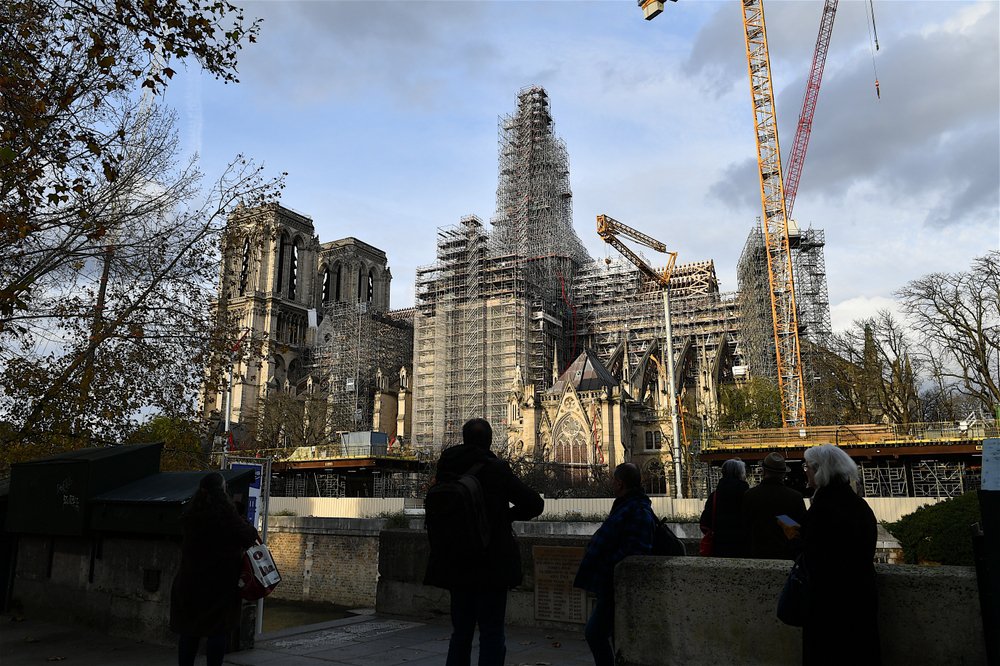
[[284, 512], [394, 519], [939, 533]]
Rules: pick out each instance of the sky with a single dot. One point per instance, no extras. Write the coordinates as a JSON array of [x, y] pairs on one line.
[[384, 115]]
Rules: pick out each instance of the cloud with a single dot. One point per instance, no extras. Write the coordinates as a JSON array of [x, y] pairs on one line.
[[848, 311], [934, 132]]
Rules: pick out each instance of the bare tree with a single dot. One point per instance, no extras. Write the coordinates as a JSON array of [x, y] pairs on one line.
[[957, 319], [871, 372]]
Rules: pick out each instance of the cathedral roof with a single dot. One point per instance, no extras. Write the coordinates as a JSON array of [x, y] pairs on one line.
[[586, 373]]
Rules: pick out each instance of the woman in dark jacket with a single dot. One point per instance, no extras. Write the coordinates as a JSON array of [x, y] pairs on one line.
[[723, 514], [838, 539], [204, 599]]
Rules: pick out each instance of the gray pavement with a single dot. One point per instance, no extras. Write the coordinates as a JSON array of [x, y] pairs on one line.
[[370, 640]]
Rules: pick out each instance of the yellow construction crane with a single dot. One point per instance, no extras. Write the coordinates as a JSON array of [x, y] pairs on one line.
[[609, 229], [774, 222]]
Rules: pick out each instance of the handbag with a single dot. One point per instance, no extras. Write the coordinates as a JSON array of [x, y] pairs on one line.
[[708, 539], [792, 604], [259, 574]]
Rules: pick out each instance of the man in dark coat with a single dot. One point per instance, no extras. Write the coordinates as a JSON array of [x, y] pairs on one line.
[[764, 503], [479, 586], [628, 530]]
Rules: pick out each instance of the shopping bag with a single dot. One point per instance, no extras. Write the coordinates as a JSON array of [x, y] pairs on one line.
[[259, 575]]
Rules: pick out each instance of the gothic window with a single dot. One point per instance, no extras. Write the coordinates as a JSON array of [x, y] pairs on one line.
[[362, 284], [654, 478], [293, 273], [654, 440], [245, 268], [338, 273], [326, 285], [570, 439], [370, 282], [280, 278]]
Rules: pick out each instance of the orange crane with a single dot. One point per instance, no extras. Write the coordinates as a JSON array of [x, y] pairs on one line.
[[774, 221], [609, 229]]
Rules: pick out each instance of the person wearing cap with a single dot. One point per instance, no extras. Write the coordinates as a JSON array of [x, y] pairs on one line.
[[763, 504]]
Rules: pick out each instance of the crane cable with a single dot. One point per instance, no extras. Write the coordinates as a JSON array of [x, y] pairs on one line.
[[873, 42]]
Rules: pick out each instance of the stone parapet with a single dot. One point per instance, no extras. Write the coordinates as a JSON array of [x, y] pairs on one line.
[[713, 611]]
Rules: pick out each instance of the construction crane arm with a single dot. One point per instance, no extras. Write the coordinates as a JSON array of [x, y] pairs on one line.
[[797, 156], [609, 229]]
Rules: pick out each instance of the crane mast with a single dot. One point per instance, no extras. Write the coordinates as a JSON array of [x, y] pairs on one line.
[[774, 222], [609, 229], [797, 156]]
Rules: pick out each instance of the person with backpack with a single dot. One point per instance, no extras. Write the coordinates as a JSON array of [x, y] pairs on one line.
[[628, 530], [469, 509]]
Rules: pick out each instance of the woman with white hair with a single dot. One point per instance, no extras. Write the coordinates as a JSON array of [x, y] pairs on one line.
[[838, 538], [722, 519]]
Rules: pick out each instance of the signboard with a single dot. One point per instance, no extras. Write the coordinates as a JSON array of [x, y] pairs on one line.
[[555, 597], [253, 499], [991, 464]]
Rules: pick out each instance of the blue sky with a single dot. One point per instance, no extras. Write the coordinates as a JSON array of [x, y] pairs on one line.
[[384, 115]]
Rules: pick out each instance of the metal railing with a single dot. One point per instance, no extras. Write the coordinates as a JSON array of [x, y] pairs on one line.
[[864, 434]]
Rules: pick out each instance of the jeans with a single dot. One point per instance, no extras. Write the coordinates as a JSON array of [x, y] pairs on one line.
[[487, 608], [187, 649], [600, 629]]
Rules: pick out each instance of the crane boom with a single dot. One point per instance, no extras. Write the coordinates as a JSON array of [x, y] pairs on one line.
[[609, 229], [797, 155], [774, 221]]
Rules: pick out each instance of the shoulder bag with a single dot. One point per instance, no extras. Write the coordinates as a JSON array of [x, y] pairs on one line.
[[793, 602]]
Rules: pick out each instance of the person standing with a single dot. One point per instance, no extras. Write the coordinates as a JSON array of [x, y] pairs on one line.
[[628, 530], [478, 586], [838, 538], [204, 598], [763, 504], [723, 514]]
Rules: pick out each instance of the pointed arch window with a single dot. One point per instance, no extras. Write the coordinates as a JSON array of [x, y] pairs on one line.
[[245, 268], [293, 271], [279, 278], [371, 285], [338, 274], [362, 282], [326, 285]]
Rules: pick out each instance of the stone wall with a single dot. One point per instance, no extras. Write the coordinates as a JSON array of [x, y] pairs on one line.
[[403, 559], [332, 560], [116, 585], [713, 611]]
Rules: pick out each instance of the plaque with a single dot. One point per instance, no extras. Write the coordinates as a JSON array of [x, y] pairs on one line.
[[555, 597]]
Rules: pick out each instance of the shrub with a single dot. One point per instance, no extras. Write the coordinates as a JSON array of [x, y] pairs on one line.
[[939, 533], [394, 519], [284, 512]]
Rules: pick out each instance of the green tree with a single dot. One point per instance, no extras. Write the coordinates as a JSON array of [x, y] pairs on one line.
[[751, 405], [182, 442]]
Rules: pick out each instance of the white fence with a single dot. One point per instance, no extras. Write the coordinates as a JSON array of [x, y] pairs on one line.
[[888, 509]]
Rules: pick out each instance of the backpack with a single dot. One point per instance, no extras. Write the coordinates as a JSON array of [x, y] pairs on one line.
[[455, 516], [665, 542]]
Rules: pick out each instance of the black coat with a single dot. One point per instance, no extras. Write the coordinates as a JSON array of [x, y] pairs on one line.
[[761, 506], [725, 517], [204, 598], [838, 539], [500, 566]]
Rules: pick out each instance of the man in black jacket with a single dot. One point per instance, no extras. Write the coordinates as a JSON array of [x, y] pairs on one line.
[[764, 503], [479, 586]]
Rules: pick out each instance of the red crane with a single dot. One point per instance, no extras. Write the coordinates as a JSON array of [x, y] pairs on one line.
[[797, 156]]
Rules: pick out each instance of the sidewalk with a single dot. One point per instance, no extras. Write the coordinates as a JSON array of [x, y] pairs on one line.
[[370, 640]]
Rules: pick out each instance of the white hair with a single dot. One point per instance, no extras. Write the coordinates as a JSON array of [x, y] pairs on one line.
[[829, 464], [736, 468]]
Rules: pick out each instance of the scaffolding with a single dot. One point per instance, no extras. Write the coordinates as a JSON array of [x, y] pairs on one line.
[[938, 478], [884, 479], [495, 302], [354, 342], [811, 298]]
